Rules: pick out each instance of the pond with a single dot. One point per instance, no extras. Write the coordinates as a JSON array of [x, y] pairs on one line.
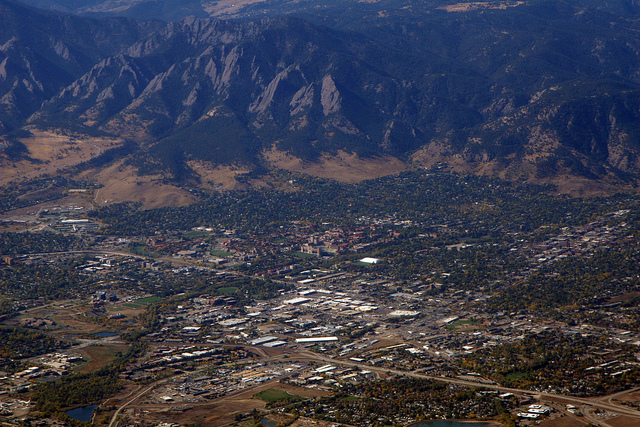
[[268, 423], [83, 413], [105, 334]]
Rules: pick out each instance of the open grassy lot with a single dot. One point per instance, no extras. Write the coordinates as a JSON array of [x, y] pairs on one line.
[[273, 395], [221, 254], [99, 356], [142, 302], [147, 300], [302, 255]]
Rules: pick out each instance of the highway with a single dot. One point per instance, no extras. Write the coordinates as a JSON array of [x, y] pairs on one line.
[[293, 355], [603, 402]]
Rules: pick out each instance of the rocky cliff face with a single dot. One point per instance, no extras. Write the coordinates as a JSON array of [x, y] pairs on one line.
[[276, 77], [40, 53], [551, 85]]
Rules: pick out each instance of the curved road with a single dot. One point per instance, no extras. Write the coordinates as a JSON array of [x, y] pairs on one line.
[[598, 402], [130, 401], [603, 402]]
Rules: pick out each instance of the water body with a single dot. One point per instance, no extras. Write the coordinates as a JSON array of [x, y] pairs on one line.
[[451, 424], [105, 334], [83, 413], [267, 422]]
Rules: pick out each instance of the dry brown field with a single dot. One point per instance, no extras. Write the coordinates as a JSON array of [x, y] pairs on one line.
[[343, 167]]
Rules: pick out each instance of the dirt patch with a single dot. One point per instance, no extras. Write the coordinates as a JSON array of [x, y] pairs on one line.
[[343, 167], [221, 411], [227, 7], [218, 413], [583, 187], [563, 421], [633, 396], [70, 321], [128, 312], [122, 183], [622, 421], [467, 7], [223, 177], [437, 155], [226, 411], [53, 152]]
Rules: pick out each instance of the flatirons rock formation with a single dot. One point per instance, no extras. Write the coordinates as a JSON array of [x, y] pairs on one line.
[[540, 89]]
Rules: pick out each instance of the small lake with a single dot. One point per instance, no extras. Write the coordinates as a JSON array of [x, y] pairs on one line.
[[446, 423], [83, 413], [268, 423], [105, 334]]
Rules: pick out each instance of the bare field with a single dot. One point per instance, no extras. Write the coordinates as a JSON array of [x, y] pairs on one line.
[[344, 167], [622, 421], [129, 312], [225, 412], [221, 411], [216, 413], [523, 171], [121, 183], [227, 7], [56, 152], [68, 320], [563, 421], [633, 396], [466, 7], [72, 324], [582, 187], [222, 177]]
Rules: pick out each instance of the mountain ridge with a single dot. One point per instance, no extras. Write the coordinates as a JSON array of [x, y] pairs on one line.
[[476, 89], [41, 52]]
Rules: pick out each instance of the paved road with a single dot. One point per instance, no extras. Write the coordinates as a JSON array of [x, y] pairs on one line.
[[130, 401], [599, 402], [586, 412], [228, 396], [603, 402], [587, 404]]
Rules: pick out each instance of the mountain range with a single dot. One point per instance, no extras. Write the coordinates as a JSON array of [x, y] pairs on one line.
[[540, 90]]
